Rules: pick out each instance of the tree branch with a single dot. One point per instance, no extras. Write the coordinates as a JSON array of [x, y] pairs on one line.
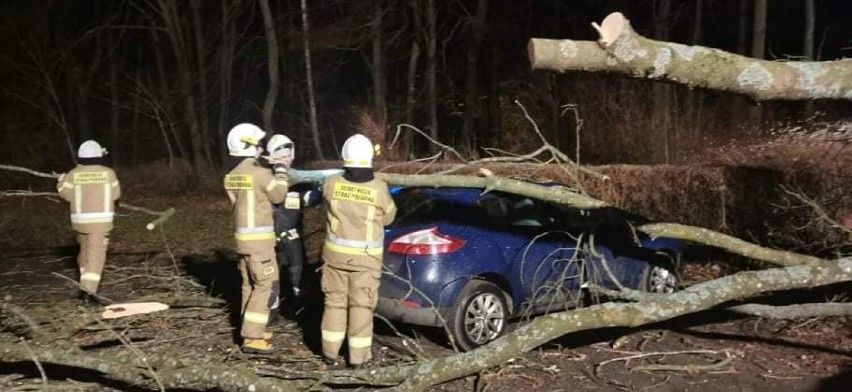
[[621, 50]]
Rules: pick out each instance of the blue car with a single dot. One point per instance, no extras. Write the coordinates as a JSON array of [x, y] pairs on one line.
[[468, 261]]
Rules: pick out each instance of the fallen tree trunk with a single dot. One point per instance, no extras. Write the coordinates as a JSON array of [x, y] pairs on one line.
[[201, 374], [621, 50]]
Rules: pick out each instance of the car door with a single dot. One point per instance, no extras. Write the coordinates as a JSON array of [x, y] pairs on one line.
[[545, 262]]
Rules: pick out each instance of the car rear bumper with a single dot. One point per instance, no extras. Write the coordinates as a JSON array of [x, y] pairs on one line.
[[394, 310]]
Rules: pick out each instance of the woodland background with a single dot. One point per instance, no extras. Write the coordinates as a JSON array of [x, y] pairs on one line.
[[159, 80]]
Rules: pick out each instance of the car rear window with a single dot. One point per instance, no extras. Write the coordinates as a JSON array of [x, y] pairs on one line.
[[420, 207]]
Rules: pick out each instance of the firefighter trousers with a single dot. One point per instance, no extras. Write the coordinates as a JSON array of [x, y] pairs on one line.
[[260, 288], [350, 298], [91, 259]]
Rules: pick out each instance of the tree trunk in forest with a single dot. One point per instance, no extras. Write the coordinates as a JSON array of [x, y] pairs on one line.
[[742, 29], [115, 138], [473, 109], [309, 76], [200, 61], [808, 44], [694, 98], [758, 49], [174, 29], [272, 65], [230, 9], [810, 22], [622, 50], [380, 109], [432, 69], [661, 103], [406, 143]]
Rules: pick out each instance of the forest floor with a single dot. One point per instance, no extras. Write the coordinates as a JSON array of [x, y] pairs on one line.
[[189, 263]]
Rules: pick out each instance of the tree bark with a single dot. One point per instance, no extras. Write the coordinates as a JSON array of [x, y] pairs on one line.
[[693, 98], [184, 373], [380, 110], [622, 50], [174, 29], [432, 68], [473, 109], [226, 63], [810, 21], [312, 105], [201, 64], [758, 49], [742, 29], [661, 104], [272, 64]]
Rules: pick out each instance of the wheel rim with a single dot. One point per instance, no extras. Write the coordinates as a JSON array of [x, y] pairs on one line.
[[484, 318], [662, 281]]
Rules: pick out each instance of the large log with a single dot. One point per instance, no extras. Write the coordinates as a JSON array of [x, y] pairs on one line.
[[621, 50]]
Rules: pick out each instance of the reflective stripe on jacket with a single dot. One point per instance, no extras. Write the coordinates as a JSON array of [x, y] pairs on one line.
[[91, 191], [356, 216], [252, 190]]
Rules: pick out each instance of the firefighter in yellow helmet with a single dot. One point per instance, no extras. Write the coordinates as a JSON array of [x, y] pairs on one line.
[[253, 189], [92, 190], [358, 207]]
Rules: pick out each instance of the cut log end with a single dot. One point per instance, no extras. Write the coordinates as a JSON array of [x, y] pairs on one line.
[[611, 27], [531, 52]]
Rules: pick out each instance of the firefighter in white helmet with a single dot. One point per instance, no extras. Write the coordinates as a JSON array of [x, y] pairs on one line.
[[252, 189], [358, 207], [92, 190], [289, 246]]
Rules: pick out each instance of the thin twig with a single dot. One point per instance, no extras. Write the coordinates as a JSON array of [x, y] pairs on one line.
[[37, 363], [599, 365]]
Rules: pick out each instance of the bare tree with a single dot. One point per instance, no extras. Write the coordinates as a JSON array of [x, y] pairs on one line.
[[272, 64], [229, 11], [432, 67], [693, 99], [473, 108], [662, 93], [758, 48], [378, 67], [312, 104], [201, 69]]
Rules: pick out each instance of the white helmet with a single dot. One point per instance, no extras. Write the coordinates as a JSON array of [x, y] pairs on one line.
[[91, 149], [280, 146], [357, 151], [243, 140]]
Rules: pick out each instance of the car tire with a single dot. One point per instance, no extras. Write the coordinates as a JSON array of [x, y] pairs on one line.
[[480, 317], [661, 276]]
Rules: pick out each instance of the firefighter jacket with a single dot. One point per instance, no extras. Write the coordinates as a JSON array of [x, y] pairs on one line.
[[252, 190], [92, 191], [356, 216]]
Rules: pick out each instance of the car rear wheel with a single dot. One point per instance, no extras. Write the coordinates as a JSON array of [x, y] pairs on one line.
[[661, 276], [480, 317]]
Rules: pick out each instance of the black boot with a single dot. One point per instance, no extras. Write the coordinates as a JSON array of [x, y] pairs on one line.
[[89, 300]]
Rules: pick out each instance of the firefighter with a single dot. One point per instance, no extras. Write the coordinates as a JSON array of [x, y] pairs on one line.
[[252, 189], [92, 190], [289, 247], [358, 207]]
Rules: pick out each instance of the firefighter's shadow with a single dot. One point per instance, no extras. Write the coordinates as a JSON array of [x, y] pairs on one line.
[[218, 272]]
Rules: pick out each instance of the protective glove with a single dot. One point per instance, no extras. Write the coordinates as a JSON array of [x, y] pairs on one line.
[[280, 171]]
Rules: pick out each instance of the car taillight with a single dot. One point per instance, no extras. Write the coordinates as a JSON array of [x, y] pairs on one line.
[[426, 242]]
